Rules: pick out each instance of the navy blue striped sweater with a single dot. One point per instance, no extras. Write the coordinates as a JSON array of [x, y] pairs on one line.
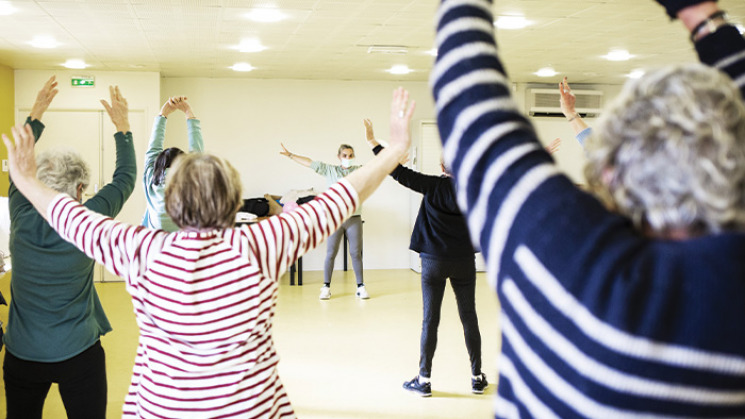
[[597, 321]]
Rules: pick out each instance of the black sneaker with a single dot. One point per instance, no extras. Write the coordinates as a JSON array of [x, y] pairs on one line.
[[479, 384], [422, 389]]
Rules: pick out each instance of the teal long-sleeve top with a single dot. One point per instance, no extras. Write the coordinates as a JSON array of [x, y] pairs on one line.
[[334, 173], [55, 313], [155, 213]]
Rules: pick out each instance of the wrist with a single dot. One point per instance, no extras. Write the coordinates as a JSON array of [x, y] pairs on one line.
[[572, 116], [711, 24]]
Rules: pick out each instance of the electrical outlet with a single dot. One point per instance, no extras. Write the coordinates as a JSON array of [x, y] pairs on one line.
[[5, 165]]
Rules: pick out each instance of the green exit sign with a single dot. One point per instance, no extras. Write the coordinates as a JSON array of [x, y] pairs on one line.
[[78, 81]]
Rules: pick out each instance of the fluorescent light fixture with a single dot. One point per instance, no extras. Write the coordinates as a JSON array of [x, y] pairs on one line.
[[546, 72], [266, 15], [75, 63], [6, 8], [635, 74], [618, 55], [242, 67], [251, 45], [387, 49], [400, 69], [511, 22], [44, 41]]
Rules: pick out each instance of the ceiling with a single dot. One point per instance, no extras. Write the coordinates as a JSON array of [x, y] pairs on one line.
[[329, 39]]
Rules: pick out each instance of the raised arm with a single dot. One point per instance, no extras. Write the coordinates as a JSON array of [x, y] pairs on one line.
[[44, 99], [567, 101], [158, 135], [193, 126], [718, 43], [368, 177], [305, 161], [111, 198]]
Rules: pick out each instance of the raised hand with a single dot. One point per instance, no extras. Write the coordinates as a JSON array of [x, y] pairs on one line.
[[285, 151], [567, 99], [369, 135], [183, 105], [44, 98], [118, 110], [553, 146], [401, 113], [21, 159], [168, 107]]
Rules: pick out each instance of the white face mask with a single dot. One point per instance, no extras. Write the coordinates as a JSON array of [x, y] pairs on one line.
[[346, 163]]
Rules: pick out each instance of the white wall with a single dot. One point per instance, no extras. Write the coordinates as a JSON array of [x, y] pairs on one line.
[[245, 121]]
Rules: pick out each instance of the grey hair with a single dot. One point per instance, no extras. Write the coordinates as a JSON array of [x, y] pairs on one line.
[[670, 151], [62, 170]]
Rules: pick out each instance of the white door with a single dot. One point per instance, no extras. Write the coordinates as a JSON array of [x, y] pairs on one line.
[[91, 133]]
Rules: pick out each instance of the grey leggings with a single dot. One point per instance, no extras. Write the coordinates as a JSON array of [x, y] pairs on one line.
[[353, 228]]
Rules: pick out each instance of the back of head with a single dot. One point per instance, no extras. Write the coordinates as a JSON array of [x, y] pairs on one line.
[[203, 192], [164, 161], [670, 152], [62, 170]]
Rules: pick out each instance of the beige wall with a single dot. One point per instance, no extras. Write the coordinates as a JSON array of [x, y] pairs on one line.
[[7, 88], [245, 121]]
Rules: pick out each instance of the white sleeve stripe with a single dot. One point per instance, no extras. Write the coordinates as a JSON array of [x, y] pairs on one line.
[[618, 340], [603, 374], [505, 218]]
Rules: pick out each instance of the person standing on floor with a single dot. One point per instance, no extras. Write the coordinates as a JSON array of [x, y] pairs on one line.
[[205, 296], [441, 238], [158, 161], [352, 227], [56, 319]]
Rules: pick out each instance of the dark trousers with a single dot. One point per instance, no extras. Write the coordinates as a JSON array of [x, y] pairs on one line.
[[462, 274], [81, 380]]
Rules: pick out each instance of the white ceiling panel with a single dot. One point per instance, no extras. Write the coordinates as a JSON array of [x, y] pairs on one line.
[[328, 39]]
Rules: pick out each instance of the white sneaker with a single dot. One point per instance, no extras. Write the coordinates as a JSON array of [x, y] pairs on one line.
[[362, 292], [325, 293]]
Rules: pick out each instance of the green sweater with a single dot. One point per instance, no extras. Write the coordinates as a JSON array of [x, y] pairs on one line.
[[55, 312]]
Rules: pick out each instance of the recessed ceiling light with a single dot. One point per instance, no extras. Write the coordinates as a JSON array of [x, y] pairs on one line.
[[74, 63], [399, 69], [242, 67], [251, 45], [546, 72], [266, 15], [618, 55], [6, 8], [44, 41], [511, 22], [635, 74]]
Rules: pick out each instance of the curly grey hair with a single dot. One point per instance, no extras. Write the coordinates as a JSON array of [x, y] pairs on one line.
[[670, 152], [62, 170]]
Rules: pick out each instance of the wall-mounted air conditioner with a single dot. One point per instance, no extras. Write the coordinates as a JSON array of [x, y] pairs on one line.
[[545, 102]]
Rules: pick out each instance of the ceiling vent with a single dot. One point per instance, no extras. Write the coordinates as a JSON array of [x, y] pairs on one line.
[[387, 49], [545, 102]]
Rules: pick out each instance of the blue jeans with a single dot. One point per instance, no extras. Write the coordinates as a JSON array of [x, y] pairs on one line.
[[462, 274]]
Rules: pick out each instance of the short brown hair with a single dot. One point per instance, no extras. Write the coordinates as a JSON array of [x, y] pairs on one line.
[[203, 192], [344, 147]]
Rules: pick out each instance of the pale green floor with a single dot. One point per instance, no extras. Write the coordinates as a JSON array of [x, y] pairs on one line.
[[341, 358]]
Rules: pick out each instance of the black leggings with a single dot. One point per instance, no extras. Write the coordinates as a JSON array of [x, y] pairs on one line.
[[81, 380]]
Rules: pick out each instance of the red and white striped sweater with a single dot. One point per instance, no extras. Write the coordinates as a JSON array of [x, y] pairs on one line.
[[204, 303]]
